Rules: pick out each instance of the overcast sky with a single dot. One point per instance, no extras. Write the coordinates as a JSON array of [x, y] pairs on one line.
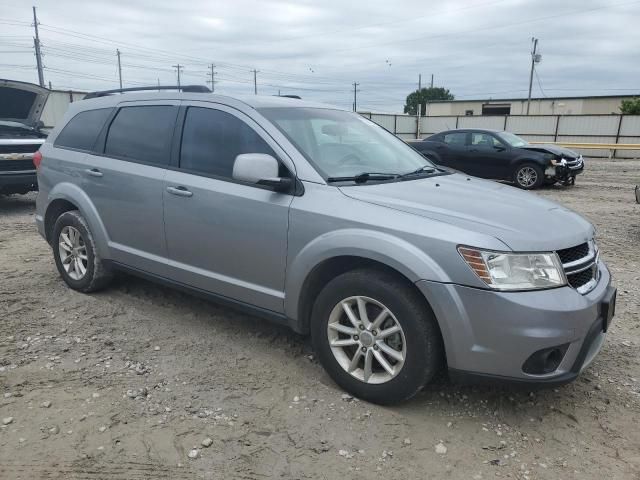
[[317, 49]]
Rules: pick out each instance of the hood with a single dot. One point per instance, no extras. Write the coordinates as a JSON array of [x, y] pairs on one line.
[[22, 102], [521, 220], [553, 149]]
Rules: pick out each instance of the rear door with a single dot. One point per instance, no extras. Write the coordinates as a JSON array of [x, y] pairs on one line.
[[125, 180], [453, 149], [225, 236], [488, 157]]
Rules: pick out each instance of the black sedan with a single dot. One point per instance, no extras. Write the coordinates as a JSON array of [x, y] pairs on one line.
[[502, 156]]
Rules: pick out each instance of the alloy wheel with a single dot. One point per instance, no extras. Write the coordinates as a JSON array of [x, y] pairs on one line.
[[366, 339], [73, 252], [527, 177]]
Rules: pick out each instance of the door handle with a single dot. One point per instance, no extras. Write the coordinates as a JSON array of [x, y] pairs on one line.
[[94, 172], [179, 191]]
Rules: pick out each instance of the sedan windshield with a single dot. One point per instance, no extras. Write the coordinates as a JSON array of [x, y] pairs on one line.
[[343, 144], [513, 140]]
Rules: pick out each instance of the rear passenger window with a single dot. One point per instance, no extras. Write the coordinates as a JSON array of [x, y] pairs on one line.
[[212, 139], [142, 134], [455, 139], [82, 130]]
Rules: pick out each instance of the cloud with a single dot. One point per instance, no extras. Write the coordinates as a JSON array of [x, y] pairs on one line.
[[476, 48]]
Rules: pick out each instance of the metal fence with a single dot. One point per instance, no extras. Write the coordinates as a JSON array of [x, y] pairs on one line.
[[622, 129]]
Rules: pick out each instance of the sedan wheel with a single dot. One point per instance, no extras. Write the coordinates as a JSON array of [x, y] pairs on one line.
[[366, 339], [529, 176]]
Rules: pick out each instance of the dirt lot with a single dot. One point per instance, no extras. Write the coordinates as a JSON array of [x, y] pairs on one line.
[[128, 383]]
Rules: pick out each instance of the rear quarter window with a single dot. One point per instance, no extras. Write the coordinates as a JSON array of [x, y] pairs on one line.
[[82, 130]]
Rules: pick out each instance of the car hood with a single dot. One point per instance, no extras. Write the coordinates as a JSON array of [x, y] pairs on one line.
[[21, 102], [553, 149], [521, 220]]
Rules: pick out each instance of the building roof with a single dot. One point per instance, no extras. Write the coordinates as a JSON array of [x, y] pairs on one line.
[[588, 97]]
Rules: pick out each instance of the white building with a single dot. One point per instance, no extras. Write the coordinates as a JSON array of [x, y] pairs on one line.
[[539, 106]]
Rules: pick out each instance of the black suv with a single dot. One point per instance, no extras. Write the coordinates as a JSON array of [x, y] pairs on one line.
[[502, 156], [21, 106]]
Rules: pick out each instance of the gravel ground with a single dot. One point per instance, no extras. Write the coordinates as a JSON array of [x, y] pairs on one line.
[[139, 381]]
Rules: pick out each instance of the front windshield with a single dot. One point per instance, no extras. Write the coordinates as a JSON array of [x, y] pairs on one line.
[[342, 144], [513, 140]]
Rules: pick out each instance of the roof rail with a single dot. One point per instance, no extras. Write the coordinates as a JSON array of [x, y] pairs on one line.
[[183, 88], [297, 97]]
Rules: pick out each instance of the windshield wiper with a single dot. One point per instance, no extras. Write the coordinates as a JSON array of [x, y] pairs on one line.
[[364, 177], [424, 169]]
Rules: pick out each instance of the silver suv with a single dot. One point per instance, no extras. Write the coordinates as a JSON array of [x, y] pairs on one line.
[[316, 218]]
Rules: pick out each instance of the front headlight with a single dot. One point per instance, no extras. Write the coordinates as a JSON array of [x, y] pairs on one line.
[[515, 271]]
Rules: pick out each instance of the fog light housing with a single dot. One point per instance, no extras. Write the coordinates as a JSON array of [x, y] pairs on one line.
[[546, 360]]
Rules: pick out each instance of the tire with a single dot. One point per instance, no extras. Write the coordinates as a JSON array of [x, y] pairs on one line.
[[550, 182], [419, 339], [95, 275], [528, 176]]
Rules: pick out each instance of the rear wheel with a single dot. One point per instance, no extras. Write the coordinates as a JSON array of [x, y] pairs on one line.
[[376, 336], [75, 254], [528, 176]]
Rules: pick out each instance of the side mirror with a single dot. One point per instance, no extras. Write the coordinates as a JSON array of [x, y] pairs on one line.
[[261, 169], [499, 148]]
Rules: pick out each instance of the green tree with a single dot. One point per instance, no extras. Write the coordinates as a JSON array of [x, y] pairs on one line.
[[630, 107], [423, 96]]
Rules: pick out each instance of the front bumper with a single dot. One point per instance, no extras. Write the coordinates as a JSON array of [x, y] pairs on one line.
[[490, 335], [565, 173]]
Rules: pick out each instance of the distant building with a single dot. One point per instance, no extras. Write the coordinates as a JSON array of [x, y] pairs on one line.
[[57, 105], [539, 106]]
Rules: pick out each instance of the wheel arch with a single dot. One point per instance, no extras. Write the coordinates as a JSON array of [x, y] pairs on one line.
[[65, 197], [318, 263]]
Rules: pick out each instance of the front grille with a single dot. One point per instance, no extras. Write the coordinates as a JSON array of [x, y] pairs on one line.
[[580, 279], [573, 254], [30, 148], [580, 265]]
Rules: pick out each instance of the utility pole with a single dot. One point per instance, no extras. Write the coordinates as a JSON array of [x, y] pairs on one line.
[[36, 45], [178, 68], [419, 81], [212, 74], [119, 68], [255, 81], [355, 96], [535, 58]]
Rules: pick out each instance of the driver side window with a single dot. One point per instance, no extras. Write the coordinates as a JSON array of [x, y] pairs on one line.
[[212, 139]]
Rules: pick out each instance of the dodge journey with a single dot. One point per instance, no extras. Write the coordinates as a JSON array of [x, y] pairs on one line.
[[314, 217]]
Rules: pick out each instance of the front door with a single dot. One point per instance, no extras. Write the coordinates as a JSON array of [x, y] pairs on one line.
[[225, 236]]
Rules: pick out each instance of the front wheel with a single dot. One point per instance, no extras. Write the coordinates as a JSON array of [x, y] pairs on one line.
[[529, 176], [376, 336]]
